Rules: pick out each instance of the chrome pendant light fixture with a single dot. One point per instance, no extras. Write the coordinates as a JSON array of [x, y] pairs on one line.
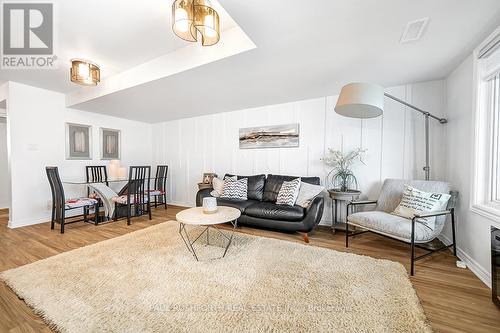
[[85, 72], [191, 17]]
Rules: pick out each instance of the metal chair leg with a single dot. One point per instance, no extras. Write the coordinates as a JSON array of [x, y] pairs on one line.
[[347, 227], [62, 220], [96, 211], [52, 222], [129, 207], [412, 246], [453, 231], [149, 210]]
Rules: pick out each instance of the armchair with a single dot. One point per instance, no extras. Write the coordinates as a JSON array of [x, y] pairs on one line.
[[381, 222]]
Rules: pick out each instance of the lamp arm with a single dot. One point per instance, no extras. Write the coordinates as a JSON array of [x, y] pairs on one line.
[[425, 113]]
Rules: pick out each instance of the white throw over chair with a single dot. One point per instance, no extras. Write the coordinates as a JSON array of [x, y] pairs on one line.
[[382, 222]]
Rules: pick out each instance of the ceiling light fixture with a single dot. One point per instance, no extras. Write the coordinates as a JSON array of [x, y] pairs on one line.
[[85, 72], [192, 16]]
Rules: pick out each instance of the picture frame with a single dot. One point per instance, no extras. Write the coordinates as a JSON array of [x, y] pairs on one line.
[[78, 141], [275, 136], [208, 178], [110, 143]]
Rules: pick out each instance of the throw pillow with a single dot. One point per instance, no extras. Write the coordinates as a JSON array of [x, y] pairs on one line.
[[416, 201], [288, 193], [218, 185], [307, 193], [235, 189]]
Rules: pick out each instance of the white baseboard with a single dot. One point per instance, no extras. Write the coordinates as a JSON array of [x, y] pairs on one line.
[[178, 203], [27, 222], [475, 268]]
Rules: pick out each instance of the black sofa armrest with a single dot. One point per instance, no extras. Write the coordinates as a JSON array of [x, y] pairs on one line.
[[314, 213], [202, 194]]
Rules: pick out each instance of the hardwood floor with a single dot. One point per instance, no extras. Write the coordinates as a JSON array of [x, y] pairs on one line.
[[454, 299]]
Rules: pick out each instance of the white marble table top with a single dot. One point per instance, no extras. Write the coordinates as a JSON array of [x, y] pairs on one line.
[[195, 216]]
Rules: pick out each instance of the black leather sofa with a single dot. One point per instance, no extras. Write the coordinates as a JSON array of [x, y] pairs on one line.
[[261, 210]]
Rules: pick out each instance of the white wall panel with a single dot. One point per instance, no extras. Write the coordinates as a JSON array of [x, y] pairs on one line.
[[210, 143]]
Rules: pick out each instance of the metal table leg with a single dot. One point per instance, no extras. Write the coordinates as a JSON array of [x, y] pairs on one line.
[[190, 244]]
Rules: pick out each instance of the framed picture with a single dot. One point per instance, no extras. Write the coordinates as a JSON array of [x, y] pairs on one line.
[[208, 177], [78, 142], [280, 136], [110, 144]]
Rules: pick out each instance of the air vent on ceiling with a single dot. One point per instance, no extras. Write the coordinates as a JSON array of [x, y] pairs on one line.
[[414, 30]]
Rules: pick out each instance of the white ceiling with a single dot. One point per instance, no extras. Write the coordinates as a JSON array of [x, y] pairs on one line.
[[305, 49], [116, 34]]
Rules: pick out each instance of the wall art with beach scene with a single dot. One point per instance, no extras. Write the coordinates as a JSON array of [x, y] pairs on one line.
[[278, 136]]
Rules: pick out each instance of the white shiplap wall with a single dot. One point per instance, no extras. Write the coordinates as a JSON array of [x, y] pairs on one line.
[[394, 142]]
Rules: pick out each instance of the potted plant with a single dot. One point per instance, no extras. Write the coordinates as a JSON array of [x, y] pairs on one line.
[[341, 178]]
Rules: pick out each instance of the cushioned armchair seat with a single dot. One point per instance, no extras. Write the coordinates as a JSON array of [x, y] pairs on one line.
[[392, 225], [269, 210]]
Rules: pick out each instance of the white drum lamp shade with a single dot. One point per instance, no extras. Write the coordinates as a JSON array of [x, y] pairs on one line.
[[360, 100]]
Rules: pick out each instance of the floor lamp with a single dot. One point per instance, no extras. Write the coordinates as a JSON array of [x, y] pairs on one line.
[[366, 100]]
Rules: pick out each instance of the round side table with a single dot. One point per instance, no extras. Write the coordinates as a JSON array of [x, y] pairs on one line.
[[338, 195]]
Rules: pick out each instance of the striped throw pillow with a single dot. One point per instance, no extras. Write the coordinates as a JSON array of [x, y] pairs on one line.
[[288, 193], [235, 189]]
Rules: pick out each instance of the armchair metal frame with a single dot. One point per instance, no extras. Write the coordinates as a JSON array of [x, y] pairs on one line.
[[450, 211]]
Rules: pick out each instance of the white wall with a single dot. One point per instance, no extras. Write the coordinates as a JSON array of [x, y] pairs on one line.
[[394, 142], [4, 171], [37, 120], [473, 230]]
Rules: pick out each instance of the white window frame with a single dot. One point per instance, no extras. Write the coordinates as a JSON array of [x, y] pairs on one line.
[[486, 158]]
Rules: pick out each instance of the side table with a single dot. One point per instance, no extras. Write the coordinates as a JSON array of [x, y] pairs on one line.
[[202, 186], [338, 195]]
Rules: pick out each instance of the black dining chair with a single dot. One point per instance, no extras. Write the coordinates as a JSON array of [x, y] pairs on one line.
[[96, 174], [60, 205], [137, 199], [160, 190]]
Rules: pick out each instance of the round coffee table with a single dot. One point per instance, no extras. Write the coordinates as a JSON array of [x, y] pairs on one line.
[[196, 217]]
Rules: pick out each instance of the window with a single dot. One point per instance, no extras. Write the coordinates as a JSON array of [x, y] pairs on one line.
[[486, 182]]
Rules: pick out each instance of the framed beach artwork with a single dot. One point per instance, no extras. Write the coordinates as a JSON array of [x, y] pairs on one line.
[[78, 142], [279, 136], [110, 144]]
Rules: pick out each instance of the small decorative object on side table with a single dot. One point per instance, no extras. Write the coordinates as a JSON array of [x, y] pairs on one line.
[[207, 181], [338, 195]]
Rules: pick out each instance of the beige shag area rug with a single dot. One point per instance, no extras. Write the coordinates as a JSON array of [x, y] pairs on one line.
[[147, 281]]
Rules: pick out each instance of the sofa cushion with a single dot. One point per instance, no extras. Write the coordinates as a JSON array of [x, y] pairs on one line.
[[255, 186], [271, 211], [238, 204], [274, 182], [391, 225]]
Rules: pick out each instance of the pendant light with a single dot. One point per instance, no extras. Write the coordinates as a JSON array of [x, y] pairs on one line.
[[191, 17]]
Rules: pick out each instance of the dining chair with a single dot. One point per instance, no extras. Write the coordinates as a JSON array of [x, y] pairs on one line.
[[96, 174], [137, 196], [160, 190], [60, 205]]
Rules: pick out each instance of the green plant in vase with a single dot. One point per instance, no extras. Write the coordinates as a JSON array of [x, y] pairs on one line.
[[341, 176]]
